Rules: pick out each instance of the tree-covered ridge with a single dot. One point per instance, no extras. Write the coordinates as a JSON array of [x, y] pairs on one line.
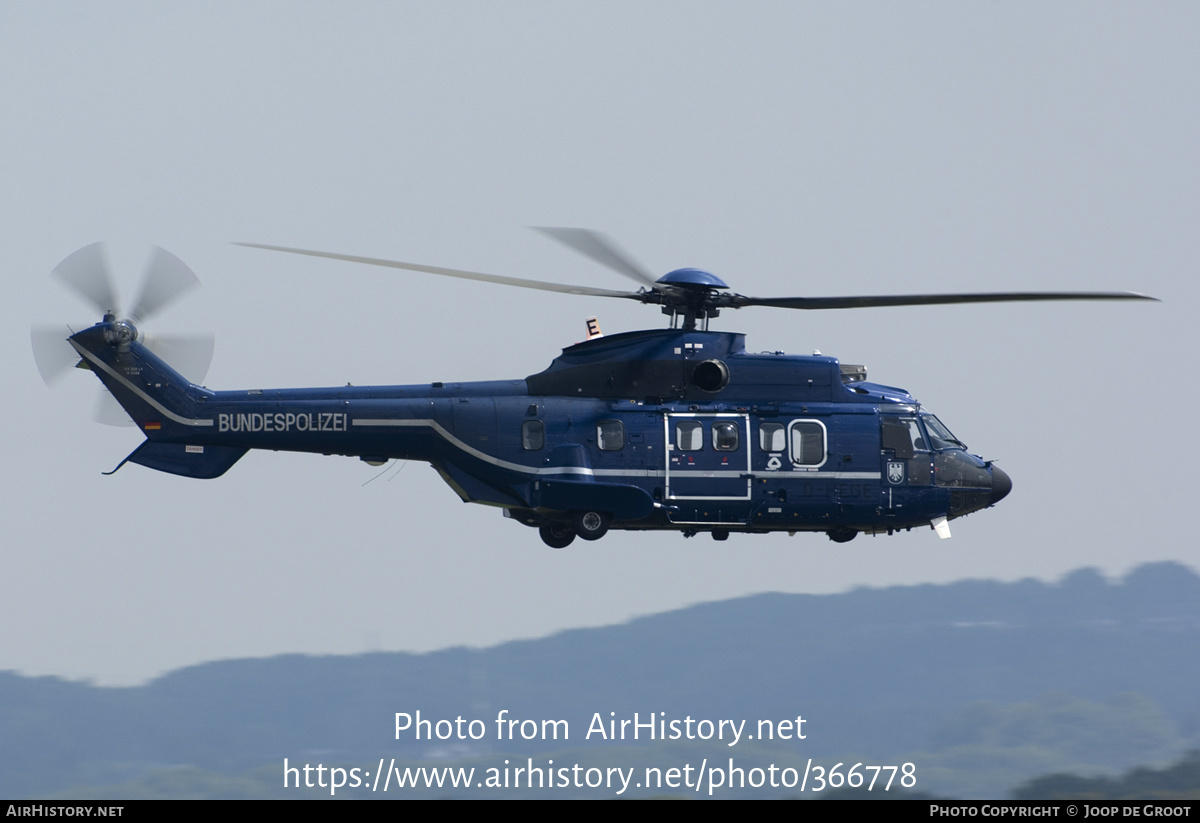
[[983, 684], [1179, 781]]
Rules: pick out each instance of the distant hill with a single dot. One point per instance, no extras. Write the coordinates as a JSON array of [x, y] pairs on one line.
[[1178, 781], [934, 674]]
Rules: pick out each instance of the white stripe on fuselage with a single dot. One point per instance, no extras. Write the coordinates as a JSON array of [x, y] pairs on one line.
[[523, 469]]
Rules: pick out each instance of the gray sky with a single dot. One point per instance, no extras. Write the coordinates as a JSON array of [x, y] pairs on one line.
[[791, 148]]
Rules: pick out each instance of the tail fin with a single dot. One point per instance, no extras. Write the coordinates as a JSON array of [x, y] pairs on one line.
[[157, 398], [168, 408]]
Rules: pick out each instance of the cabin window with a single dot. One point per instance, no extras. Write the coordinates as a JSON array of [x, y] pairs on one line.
[[533, 435], [610, 434], [771, 437], [808, 443], [725, 435], [689, 435]]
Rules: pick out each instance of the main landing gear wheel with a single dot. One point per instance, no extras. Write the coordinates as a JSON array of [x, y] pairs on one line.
[[557, 535], [842, 534], [591, 525]]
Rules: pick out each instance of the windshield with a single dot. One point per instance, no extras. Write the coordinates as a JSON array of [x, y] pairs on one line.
[[940, 436]]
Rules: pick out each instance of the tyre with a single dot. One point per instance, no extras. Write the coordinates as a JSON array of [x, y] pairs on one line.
[[556, 535], [591, 525]]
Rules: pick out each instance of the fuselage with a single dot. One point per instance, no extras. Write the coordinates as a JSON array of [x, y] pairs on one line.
[[671, 429]]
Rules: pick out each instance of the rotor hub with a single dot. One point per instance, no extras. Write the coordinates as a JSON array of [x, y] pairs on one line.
[[693, 278], [689, 296], [119, 333]]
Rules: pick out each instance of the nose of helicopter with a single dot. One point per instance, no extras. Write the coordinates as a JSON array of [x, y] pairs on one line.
[[1001, 484]]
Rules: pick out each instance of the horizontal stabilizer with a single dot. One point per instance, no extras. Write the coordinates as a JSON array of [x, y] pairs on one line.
[[204, 462]]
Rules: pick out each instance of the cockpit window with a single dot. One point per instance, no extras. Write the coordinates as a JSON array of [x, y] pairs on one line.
[[902, 435], [940, 436]]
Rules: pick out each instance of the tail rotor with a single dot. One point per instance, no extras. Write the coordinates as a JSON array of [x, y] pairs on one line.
[[86, 272]]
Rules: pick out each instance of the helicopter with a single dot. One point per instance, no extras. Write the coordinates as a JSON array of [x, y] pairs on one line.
[[677, 429]]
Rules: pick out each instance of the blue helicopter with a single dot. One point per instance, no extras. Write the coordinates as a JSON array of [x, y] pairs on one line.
[[676, 429]]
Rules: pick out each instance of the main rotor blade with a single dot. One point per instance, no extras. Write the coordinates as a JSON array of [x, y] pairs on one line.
[[167, 277], [86, 271], [465, 275], [602, 250], [871, 301]]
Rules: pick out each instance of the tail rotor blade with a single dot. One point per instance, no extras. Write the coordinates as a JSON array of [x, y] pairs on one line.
[[167, 277], [86, 272], [108, 411], [51, 351], [188, 354]]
